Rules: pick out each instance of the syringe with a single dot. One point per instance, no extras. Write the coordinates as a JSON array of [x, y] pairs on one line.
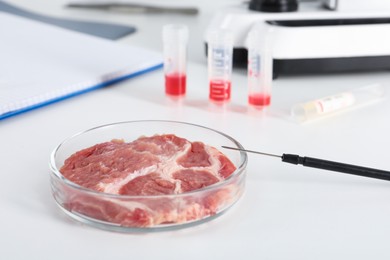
[[325, 165], [336, 103]]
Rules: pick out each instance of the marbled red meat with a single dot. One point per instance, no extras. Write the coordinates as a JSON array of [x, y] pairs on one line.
[[148, 166]]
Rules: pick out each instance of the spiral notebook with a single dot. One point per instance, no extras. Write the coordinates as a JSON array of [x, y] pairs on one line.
[[42, 64]]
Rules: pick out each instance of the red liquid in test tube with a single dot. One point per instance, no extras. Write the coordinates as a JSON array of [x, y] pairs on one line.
[[220, 90], [259, 99], [175, 84]]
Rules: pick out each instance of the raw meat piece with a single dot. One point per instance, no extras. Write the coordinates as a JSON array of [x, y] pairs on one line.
[[144, 168]]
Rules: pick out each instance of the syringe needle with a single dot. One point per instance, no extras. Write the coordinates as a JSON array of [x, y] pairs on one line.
[[249, 151], [326, 165]]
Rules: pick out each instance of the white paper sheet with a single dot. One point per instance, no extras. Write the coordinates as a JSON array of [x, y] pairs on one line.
[[40, 63]]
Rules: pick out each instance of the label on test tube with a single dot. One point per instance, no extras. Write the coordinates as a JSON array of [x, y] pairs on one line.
[[333, 103]]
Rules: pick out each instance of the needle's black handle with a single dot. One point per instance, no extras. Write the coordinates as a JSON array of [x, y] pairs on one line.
[[336, 166]]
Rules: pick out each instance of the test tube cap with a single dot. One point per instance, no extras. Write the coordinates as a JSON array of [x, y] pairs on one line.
[[260, 35], [175, 33], [220, 37]]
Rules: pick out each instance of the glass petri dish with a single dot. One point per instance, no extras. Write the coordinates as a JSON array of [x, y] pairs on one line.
[[143, 213]]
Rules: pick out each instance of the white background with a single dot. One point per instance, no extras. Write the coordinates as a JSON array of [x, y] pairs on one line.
[[287, 211]]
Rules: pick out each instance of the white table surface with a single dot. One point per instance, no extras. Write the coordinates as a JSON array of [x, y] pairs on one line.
[[287, 211]]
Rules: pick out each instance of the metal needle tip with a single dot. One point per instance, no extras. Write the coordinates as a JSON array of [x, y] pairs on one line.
[[249, 151]]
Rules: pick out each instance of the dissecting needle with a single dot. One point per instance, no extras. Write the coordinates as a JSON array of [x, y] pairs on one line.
[[325, 165]]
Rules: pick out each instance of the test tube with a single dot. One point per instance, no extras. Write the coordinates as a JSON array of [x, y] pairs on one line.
[[220, 56], [260, 69], [336, 103], [175, 40]]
